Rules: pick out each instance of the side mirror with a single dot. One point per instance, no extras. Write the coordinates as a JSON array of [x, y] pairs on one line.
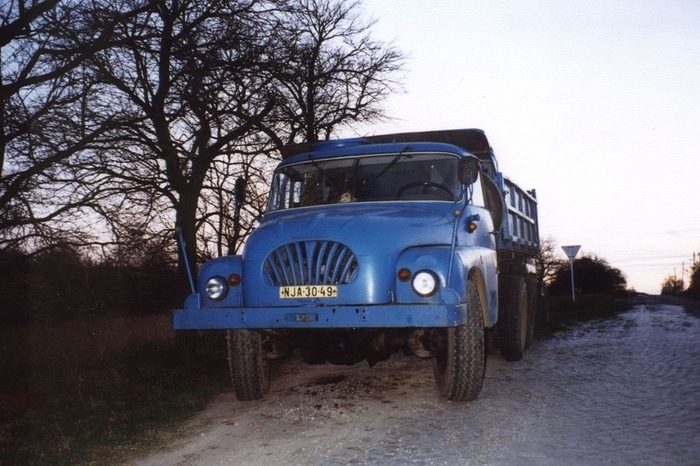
[[468, 170], [239, 190]]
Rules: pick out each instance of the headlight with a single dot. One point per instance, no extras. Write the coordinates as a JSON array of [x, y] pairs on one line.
[[216, 288], [425, 283]]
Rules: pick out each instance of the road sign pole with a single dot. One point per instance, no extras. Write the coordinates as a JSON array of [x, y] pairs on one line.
[[573, 294], [571, 252]]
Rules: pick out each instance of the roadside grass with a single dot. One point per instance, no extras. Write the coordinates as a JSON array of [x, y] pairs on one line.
[[101, 389], [562, 311]]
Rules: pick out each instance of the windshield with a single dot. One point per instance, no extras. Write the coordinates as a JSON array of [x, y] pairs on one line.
[[392, 177]]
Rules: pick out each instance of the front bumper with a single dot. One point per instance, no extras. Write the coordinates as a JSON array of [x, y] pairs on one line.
[[341, 316]]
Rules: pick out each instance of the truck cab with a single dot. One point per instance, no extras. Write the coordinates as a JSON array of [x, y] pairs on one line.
[[371, 246]]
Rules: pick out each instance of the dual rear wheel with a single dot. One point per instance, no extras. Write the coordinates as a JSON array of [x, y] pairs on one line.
[[516, 315]]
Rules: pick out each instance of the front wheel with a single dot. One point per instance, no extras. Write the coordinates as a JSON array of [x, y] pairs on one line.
[[461, 359], [250, 370]]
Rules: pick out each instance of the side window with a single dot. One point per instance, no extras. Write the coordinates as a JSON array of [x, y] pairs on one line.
[[278, 193], [286, 191]]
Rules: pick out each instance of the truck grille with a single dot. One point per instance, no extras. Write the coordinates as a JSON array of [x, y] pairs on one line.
[[310, 263]]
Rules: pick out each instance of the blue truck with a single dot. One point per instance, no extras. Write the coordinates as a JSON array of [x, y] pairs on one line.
[[407, 242]]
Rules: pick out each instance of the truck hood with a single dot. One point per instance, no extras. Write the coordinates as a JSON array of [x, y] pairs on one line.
[[366, 228], [370, 236]]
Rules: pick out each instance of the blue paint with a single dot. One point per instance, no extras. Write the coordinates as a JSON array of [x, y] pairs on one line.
[[351, 214]]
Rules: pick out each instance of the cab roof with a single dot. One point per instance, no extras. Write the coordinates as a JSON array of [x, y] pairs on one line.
[[473, 141]]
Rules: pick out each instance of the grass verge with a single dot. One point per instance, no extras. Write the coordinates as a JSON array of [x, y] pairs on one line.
[[563, 312], [101, 390]]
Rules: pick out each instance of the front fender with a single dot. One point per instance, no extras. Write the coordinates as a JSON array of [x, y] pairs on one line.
[[433, 258], [482, 263], [223, 267], [466, 261]]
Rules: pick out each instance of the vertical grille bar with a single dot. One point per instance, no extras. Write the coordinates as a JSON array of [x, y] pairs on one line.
[[300, 260], [291, 264], [345, 274], [284, 264], [328, 262], [273, 266], [338, 262], [320, 253]]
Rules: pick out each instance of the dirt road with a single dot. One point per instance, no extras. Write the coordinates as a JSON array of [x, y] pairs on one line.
[[621, 390]]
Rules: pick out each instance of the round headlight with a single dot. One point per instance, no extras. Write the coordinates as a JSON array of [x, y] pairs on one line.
[[425, 283], [216, 288]]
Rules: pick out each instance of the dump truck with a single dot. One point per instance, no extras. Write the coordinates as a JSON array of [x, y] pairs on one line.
[[407, 243]]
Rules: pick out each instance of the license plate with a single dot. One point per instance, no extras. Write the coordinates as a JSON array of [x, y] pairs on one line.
[[309, 291]]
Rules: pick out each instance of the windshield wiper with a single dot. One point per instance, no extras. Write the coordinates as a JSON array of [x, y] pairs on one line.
[[318, 167], [393, 161], [322, 173]]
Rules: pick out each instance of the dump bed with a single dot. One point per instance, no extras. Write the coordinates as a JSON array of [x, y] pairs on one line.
[[519, 232]]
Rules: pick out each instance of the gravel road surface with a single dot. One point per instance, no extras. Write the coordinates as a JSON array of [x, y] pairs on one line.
[[624, 390]]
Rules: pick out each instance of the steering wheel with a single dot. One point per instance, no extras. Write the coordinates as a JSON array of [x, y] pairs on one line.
[[424, 184]]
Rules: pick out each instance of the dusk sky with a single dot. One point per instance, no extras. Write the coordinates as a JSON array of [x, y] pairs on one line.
[[595, 104]]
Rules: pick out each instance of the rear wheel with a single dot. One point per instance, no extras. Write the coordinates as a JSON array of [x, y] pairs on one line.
[[531, 310], [250, 371], [461, 359], [513, 319]]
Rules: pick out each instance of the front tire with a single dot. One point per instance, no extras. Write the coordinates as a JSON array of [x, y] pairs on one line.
[[250, 371], [460, 362]]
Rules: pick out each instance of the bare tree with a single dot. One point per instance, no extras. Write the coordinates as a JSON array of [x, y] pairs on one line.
[[47, 115], [332, 73], [328, 73], [214, 87], [547, 261], [194, 79], [146, 111], [224, 224], [694, 285], [672, 285]]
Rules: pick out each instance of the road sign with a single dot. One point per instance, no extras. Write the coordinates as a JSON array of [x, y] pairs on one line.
[[571, 251]]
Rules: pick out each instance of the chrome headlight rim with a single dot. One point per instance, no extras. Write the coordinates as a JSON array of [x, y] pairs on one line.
[[216, 288], [425, 283]]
